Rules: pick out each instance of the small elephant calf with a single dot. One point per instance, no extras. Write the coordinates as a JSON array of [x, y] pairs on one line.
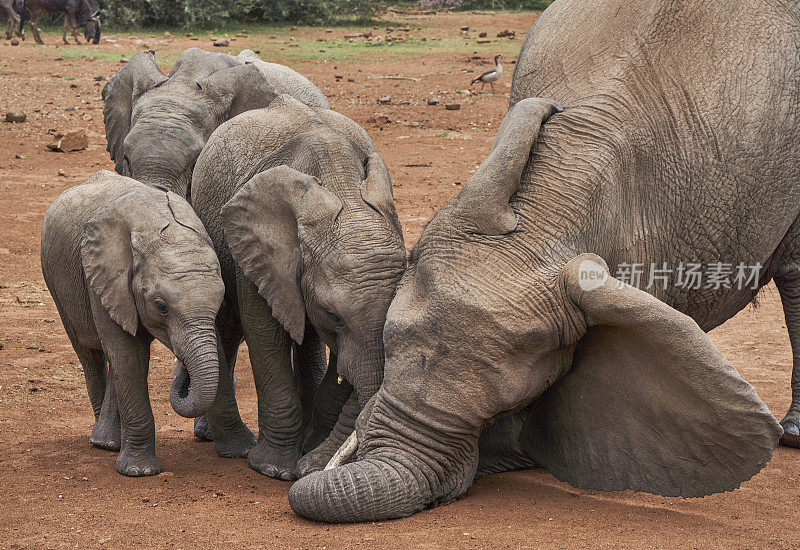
[[127, 263]]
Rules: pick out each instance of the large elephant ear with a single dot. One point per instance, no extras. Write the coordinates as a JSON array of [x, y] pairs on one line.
[[120, 94], [649, 403], [376, 191], [237, 89], [484, 200], [107, 259], [264, 223]]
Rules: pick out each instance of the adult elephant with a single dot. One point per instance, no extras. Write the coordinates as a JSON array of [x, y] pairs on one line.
[[678, 142], [299, 207], [157, 125]]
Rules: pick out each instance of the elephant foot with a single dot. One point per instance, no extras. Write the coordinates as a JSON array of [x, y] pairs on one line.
[[132, 465], [234, 443], [202, 429], [276, 462], [791, 430], [106, 435], [316, 460]]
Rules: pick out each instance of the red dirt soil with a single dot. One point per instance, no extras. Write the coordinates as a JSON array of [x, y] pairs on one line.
[[56, 490]]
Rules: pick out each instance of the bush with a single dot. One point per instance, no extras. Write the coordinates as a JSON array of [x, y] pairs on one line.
[[485, 4], [218, 13]]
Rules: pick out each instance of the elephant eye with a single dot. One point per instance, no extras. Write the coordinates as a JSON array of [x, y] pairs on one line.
[[161, 306], [335, 319]]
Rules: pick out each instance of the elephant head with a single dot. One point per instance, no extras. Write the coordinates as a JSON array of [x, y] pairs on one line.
[[148, 260], [316, 257], [156, 125], [494, 315]]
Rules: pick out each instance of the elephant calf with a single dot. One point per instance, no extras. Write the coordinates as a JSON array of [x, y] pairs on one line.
[[299, 206], [156, 125], [127, 263]]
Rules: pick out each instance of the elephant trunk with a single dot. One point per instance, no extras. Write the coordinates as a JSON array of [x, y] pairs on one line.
[[194, 385], [363, 368], [372, 489], [403, 467]]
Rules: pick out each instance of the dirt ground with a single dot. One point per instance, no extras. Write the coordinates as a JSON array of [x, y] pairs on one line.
[[56, 490]]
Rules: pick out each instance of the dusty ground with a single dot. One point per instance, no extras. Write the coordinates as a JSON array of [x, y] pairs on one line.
[[56, 490]]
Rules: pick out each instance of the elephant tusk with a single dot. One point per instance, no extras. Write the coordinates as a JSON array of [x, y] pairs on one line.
[[344, 453], [340, 379]]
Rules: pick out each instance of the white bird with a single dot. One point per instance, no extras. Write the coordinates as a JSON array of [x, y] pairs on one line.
[[490, 77]]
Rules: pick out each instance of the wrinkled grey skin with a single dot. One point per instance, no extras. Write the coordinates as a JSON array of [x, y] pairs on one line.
[[300, 209], [127, 263], [678, 142], [157, 125]]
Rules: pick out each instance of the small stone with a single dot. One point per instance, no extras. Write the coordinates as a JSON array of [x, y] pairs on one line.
[[16, 116], [338, 76], [99, 78], [62, 173], [145, 499], [193, 38], [15, 41], [465, 28], [351, 79], [453, 106], [482, 35], [293, 28], [73, 85], [221, 42], [18, 156], [73, 140], [485, 41], [380, 119], [123, 60], [257, 52], [433, 101], [294, 45], [385, 100]]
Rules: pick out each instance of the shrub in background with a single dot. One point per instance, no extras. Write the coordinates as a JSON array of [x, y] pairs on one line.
[[204, 13]]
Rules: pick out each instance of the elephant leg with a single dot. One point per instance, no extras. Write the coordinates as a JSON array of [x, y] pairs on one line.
[[345, 424], [788, 283], [129, 357], [64, 29], [310, 363], [106, 433], [279, 411], [232, 438]]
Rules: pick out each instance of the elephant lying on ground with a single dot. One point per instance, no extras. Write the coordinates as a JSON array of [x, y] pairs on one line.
[[679, 141], [299, 207], [127, 263], [157, 125]]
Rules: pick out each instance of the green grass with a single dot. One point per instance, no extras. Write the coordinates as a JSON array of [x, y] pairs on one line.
[[342, 50]]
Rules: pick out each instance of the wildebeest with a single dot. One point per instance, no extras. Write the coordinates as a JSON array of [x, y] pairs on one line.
[[12, 8], [77, 13]]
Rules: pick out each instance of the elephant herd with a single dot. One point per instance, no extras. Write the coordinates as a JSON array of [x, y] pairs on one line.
[[647, 132]]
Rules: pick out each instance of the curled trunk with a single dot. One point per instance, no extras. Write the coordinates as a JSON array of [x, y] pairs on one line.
[[404, 465], [372, 489], [194, 385]]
